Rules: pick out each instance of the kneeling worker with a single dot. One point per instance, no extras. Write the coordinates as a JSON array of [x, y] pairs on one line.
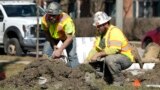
[[111, 46]]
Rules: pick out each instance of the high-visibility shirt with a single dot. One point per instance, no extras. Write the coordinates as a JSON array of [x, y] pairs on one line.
[[113, 41], [60, 29]]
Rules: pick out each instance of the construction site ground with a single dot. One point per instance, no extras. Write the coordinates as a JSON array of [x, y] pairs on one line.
[[44, 74]]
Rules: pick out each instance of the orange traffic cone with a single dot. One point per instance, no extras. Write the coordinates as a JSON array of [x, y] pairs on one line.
[[136, 84]]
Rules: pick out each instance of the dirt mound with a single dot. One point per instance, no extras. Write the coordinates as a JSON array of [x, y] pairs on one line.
[[151, 53], [152, 76], [55, 75], [146, 77]]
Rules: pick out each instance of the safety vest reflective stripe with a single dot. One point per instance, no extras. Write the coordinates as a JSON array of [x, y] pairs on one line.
[[118, 44], [44, 21], [126, 48], [60, 25], [59, 31], [65, 16], [115, 43]]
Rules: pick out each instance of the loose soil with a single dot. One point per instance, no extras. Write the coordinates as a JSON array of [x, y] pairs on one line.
[[147, 77], [60, 77]]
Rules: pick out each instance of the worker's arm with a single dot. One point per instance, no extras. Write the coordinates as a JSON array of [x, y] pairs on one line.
[[91, 53], [57, 53], [98, 55], [103, 53], [66, 42], [69, 31]]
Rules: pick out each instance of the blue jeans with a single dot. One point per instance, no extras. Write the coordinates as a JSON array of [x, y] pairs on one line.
[[71, 52]]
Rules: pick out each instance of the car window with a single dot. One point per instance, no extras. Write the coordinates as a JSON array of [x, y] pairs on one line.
[[22, 10], [1, 16]]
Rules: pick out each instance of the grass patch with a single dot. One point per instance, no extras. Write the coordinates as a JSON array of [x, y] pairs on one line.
[[9, 64], [13, 69], [7, 57]]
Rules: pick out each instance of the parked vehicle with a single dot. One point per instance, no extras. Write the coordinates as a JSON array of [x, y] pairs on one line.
[[18, 22], [151, 36]]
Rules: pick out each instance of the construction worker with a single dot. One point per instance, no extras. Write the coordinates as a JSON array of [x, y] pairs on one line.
[[110, 46], [58, 26]]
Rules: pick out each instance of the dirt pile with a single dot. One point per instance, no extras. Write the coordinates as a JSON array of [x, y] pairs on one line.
[[152, 53], [146, 77], [55, 75], [152, 76]]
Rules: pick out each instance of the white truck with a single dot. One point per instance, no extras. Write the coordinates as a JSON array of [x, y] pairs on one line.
[[18, 22]]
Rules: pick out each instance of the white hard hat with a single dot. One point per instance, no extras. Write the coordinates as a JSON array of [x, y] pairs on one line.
[[100, 18], [54, 8]]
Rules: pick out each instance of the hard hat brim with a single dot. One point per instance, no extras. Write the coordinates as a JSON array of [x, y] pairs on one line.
[[54, 12], [95, 24]]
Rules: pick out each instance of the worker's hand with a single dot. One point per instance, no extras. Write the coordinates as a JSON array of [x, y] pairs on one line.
[[94, 58], [55, 47], [57, 53]]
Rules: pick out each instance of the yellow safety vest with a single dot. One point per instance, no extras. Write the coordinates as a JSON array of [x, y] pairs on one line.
[[58, 30], [114, 38]]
